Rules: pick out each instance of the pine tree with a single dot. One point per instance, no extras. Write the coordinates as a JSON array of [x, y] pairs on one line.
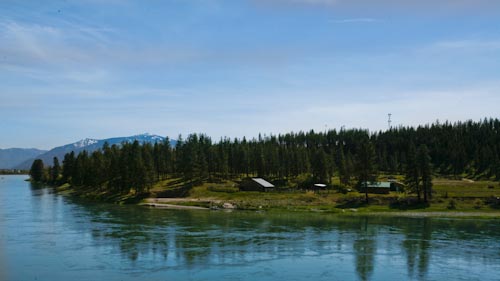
[[320, 166], [68, 167], [424, 165], [37, 171], [96, 169], [344, 170], [365, 165], [55, 172], [412, 175]]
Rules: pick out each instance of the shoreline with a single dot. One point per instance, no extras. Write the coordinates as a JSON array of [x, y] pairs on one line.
[[172, 206], [437, 214], [177, 203], [241, 204]]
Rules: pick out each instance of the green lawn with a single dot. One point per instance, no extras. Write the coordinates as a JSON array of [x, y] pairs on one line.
[[449, 195], [465, 188]]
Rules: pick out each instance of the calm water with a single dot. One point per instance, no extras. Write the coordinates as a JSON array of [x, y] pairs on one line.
[[47, 237]]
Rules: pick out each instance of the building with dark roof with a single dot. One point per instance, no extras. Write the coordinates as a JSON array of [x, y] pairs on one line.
[[255, 184]]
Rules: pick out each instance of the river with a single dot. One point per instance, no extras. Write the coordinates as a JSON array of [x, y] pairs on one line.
[[45, 236]]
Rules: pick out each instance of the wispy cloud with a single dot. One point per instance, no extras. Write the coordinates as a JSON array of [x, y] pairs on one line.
[[422, 7], [311, 2], [461, 49], [31, 49], [34, 44], [409, 108], [467, 45], [356, 20]]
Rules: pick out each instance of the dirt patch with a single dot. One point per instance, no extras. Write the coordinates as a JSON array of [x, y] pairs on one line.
[[172, 206]]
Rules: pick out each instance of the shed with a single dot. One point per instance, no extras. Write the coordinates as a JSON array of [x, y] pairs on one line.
[[397, 186], [255, 184], [319, 186], [376, 187]]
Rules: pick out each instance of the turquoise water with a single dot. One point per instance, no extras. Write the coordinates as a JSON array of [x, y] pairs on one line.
[[44, 236]]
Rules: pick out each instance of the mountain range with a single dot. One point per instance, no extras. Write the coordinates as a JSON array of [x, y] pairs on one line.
[[18, 158], [13, 157]]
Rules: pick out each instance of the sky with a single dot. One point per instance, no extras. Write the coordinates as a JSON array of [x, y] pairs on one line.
[[105, 68]]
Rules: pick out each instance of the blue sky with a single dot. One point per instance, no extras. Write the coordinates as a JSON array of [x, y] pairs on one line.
[[76, 69]]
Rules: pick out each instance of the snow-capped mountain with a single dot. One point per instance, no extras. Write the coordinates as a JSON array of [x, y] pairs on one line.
[[89, 145], [85, 142]]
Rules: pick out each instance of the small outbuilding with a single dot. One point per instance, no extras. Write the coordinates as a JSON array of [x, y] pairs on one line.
[[255, 184], [318, 186], [375, 187], [397, 186]]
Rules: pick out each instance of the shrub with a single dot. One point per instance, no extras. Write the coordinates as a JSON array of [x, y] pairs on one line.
[[342, 188], [478, 203], [303, 181], [226, 189], [493, 202], [452, 205]]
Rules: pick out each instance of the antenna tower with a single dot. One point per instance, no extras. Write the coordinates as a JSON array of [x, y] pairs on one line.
[[389, 121]]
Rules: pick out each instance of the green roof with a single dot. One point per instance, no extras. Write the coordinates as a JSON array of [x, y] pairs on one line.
[[377, 184]]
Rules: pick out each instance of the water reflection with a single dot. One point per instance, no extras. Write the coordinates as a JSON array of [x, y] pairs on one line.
[[416, 245], [67, 235], [158, 239], [365, 247]]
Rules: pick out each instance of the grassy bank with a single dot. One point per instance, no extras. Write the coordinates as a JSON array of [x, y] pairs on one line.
[[90, 194], [452, 197]]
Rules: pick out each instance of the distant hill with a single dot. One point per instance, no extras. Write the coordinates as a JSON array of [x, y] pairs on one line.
[[89, 145], [13, 157]]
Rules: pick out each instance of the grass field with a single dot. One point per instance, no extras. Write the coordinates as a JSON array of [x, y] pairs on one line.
[[448, 196], [466, 188]]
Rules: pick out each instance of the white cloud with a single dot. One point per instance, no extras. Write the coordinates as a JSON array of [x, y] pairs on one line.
[[322, 2], [467, 45], [411, 108], [33, 45], [311, 2], [390, 7], [37, 45], [356, 20]]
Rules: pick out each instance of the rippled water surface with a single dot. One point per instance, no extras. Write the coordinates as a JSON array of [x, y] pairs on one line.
[[44, 236]]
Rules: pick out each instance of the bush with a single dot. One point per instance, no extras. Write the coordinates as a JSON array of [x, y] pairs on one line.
[[452, 205], [407, 203], [342, 188], [478, 204], [226, 189], [303, 181], [493, 202]]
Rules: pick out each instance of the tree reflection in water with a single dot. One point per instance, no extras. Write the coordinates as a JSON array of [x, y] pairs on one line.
[[365, 248], [416, 246], [157, 239]]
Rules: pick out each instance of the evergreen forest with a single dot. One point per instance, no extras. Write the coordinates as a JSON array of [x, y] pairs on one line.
[[462, 149]]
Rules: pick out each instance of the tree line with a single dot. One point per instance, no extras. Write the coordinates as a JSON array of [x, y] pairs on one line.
[[354, 155]]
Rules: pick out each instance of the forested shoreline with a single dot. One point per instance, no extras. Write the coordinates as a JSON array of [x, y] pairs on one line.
[[462, 149]]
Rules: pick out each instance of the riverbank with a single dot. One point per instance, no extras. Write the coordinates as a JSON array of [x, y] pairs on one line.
[[368, 210], [451, 198], [447, 202]]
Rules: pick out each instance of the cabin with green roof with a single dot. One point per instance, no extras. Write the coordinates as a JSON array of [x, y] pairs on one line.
[[377, 187]]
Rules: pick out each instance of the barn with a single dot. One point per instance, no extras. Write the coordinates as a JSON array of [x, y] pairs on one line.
[[255, 184]]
